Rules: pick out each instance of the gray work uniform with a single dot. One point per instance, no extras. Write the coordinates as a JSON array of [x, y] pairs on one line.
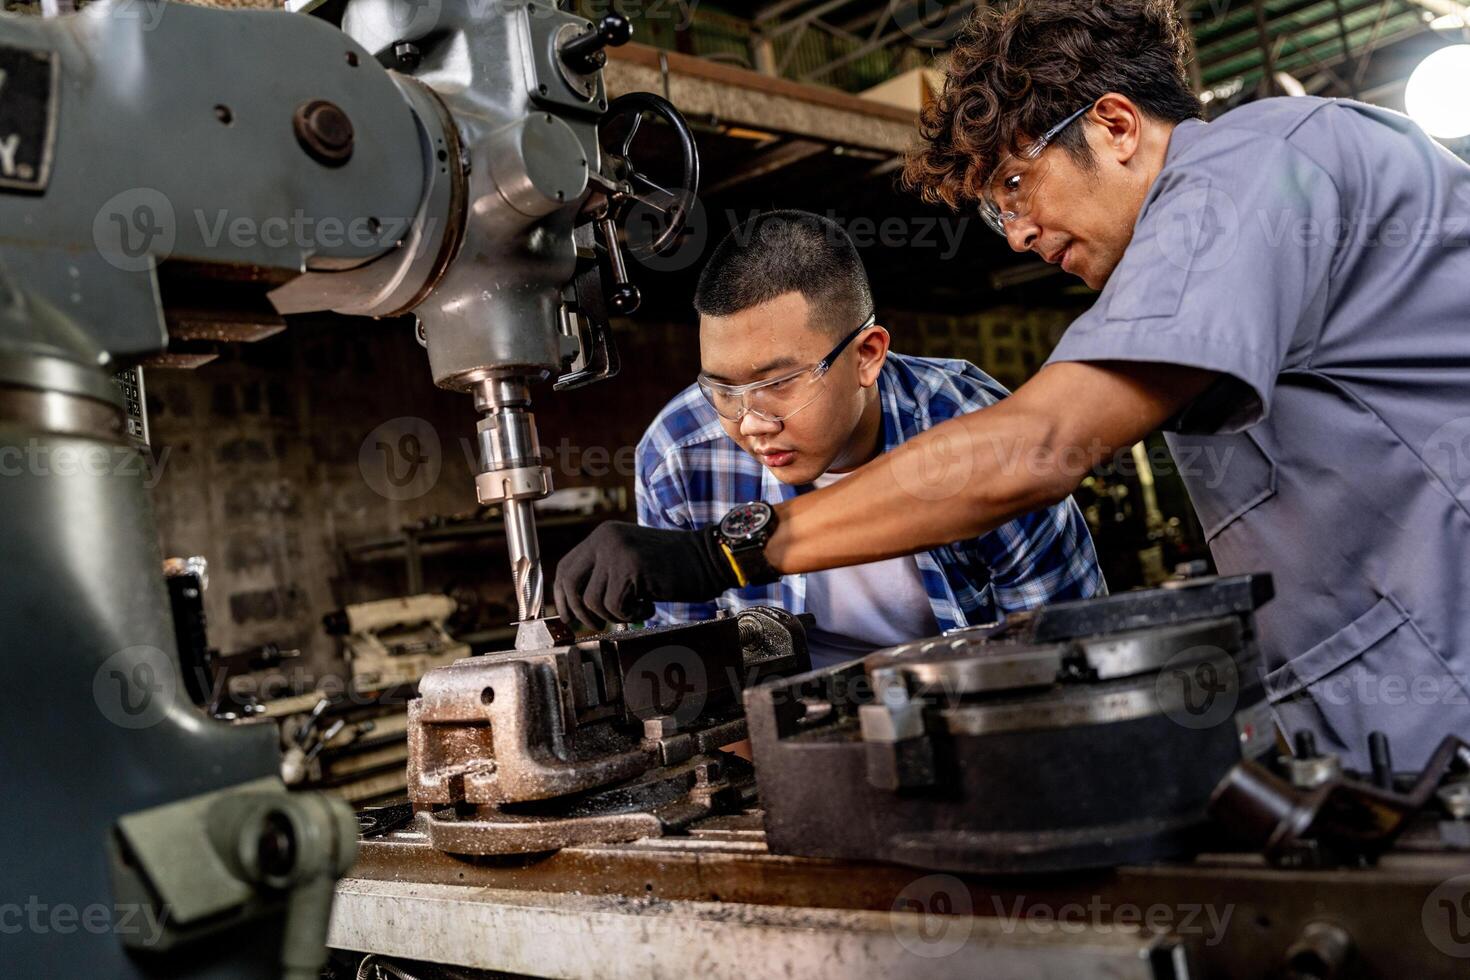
[[1316, 253]]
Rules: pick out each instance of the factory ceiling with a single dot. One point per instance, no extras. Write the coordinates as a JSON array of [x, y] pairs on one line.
[[1245, 49]]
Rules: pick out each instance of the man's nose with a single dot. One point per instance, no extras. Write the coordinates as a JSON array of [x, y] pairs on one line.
[[754, 425], [1022, 233]]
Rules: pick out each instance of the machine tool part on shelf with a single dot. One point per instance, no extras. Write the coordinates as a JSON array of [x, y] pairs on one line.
[[584, 501], [376, 821], [1085, 735], [609, 738], [389, 642], [358, 752], [208, 674]]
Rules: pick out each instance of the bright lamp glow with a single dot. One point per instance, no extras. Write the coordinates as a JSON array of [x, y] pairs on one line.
[[1438, 96]]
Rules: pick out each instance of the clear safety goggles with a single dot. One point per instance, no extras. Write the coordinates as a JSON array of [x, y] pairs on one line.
[[1012, 185], [776, 399]]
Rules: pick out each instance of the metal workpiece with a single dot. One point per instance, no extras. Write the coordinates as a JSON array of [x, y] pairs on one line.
[[993, 752], [610, 738], [543, 633]]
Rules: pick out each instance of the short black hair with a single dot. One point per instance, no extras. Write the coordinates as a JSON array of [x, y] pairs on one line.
[[781, 252]]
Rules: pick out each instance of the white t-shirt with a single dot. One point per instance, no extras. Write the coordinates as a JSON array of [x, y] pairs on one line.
[[865, 607]]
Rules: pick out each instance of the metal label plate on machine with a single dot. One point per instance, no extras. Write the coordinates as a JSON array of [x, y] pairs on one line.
[[28, 92]]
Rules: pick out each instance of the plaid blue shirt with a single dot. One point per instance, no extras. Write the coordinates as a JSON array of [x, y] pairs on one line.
[[690, 474]]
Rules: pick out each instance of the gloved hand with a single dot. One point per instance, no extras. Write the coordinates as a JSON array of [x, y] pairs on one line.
[[621, 569]]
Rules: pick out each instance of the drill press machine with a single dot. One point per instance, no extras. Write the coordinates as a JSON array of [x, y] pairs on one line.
[[441, 160]]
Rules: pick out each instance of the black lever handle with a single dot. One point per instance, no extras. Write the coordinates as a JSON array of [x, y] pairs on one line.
[[586, 53], [623, 298]]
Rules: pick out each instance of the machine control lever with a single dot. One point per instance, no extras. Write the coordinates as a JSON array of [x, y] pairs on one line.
[[587, 53], [623, 298]]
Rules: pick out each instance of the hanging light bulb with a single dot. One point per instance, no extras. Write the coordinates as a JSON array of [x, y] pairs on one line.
[[1438, 96]]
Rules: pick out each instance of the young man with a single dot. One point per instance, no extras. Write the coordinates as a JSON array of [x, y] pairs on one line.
[[1285, 288], [798, 390]]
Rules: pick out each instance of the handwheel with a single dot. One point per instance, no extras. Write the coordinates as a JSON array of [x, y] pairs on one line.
[[669, 207]]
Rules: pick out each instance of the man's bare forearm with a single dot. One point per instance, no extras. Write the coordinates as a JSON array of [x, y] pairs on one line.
[[972, 474]]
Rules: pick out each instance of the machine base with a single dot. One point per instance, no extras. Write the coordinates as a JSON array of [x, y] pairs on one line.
[[716, 903]]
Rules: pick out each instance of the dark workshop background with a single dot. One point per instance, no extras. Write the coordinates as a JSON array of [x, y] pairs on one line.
[[266, 451]]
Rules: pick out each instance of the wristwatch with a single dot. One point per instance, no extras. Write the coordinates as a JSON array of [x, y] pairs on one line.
[[742, 535]]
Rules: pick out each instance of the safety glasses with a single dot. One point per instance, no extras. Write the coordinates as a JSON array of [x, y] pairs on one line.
[[1007, 194], [776, 399]]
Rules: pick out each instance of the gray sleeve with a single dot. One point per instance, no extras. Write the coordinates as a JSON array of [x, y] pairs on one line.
[[1228, 271]]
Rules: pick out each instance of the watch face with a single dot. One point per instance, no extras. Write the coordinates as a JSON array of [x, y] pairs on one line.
[[746, 521]]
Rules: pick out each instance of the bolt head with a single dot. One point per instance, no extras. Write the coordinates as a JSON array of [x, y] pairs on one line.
[[324, 132]]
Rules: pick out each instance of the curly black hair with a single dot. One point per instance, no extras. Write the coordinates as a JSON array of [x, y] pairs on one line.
[[1019, 69]]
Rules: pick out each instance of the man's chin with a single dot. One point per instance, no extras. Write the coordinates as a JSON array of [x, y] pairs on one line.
[[1096, 278], [796, 474], [793, 476]]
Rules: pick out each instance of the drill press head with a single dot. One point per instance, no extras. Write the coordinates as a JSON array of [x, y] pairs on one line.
[[514, 261]]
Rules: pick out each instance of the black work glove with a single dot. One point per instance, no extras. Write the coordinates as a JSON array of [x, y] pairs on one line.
[[617, 574]]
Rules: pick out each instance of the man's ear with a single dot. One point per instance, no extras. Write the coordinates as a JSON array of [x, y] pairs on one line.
[[1122, 125], [872, 353]]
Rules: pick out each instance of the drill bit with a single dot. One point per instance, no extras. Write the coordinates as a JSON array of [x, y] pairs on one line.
[[529, 586], [525, 559]]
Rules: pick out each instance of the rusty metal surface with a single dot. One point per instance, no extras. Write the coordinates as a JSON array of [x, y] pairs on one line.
[[179, 360], [605, 739], [231, 326], [652, 805], [1236, 915], [615, 938]]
